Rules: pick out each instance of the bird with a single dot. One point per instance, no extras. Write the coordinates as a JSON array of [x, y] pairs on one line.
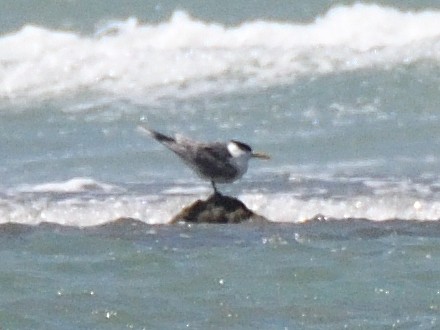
[[216, 162]]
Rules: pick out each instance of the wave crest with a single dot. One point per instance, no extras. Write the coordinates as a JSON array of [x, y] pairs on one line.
[[185, 57]]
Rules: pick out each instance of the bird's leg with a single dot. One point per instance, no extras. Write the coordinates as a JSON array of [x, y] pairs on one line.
[[215, 188]]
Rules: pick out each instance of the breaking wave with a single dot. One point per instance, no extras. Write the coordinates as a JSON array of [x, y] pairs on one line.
[[85, 202], [185, 57]]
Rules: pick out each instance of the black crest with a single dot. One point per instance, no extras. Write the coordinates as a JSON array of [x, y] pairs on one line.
[[242, 145]]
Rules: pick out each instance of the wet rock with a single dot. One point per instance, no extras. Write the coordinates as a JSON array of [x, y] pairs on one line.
[[218, 209]]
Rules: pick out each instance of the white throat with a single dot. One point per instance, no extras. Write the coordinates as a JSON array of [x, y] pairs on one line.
[[240, 158]]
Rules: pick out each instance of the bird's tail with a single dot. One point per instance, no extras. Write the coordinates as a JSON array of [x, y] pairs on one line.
[[155, 135]]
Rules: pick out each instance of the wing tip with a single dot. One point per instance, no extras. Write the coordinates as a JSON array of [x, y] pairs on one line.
[[154, 134], [144, 130]]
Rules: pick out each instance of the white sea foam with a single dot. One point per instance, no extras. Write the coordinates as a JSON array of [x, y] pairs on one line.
[[84, 211], [85, 205], [184, 56], [74, 185], [287, 208]]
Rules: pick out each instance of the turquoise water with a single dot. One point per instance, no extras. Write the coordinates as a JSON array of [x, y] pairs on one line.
[[343, 95], [320, 275]]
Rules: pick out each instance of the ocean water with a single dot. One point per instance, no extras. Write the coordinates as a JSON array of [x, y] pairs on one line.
[[344, 96]]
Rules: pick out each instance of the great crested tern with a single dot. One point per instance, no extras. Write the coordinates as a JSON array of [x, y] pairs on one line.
[[216, 162]]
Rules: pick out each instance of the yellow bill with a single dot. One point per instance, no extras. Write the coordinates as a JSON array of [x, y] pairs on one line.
[[260, 155]]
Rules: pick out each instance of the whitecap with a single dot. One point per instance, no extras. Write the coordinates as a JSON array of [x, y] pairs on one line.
[[74, 185], [186, 57]]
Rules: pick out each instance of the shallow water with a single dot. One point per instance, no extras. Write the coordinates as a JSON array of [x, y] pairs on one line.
[[343, 95], [317, 275]]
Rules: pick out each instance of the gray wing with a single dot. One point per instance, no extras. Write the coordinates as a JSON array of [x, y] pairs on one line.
[[209, 160], [213, 162]]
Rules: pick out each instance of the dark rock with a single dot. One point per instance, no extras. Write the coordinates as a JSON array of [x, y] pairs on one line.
[[217, 209]]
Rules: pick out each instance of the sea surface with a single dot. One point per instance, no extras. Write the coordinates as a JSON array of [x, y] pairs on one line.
[[344, 96]]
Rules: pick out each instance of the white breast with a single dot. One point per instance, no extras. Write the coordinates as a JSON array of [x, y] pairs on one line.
[[240, 158]]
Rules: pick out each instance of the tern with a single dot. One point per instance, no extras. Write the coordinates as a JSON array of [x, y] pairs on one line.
[[216, 162]]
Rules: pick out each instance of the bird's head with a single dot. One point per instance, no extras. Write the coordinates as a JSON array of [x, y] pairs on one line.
[[239, 149]]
